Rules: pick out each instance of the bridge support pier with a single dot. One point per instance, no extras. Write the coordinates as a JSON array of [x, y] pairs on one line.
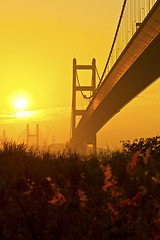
[[95, 144], [81, 145]]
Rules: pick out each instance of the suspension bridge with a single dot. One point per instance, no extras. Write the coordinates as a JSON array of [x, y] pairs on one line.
[[31, 136], [132, 65]]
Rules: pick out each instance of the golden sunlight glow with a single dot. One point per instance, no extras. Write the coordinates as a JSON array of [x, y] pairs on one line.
[[20, 103], [24, 114]]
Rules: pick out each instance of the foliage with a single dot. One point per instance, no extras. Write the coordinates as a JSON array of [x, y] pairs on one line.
[[70, 196]]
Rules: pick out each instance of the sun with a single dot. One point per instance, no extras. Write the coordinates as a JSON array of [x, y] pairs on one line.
[[20, 103]]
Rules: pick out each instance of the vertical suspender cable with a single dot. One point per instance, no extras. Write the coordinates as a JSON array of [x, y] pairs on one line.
[[115, 37]]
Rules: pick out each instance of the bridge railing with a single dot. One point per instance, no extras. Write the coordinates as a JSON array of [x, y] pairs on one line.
[[134, 13]]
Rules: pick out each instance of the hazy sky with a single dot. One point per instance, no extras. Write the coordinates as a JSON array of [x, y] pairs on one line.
[[39, 39]]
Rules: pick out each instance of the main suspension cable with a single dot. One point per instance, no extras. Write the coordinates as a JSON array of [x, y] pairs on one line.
[[114, 40], [112, 47]]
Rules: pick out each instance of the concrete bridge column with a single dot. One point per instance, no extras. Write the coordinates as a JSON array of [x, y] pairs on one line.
[[94, 144]]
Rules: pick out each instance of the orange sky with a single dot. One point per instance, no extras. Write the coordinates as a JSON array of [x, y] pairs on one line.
[[38, 42]]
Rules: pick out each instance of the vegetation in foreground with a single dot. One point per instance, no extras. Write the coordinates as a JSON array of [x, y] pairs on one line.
[[69, 196]]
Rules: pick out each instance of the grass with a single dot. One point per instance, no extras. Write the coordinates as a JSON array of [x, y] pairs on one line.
[[70, 196]]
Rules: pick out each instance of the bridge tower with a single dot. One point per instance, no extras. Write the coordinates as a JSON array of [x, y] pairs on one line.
[[33, 135], [76, 88]]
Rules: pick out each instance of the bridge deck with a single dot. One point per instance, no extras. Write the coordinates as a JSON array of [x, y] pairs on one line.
[[136, 68]]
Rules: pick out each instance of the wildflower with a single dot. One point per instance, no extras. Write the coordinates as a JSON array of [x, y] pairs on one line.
[[132, 201], [108, 172], [30, 187], [156, 180], [32, 183], [53, 186], [108, 182], [115, 193], [82, 159], [112, 210], [83, 198], [133, 162], [48, 179], [127, 202], [58, 199]]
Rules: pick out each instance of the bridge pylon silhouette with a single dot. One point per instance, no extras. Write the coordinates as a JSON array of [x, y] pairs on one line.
[[76, 143], [36, 135]]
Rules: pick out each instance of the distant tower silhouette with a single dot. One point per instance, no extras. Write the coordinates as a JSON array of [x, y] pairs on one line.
[[33, 135]]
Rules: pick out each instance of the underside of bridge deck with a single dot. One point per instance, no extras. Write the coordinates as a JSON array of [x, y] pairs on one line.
[[137, 68]]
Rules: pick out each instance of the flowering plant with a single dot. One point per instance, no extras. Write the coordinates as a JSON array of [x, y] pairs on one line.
[[105, 196]]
